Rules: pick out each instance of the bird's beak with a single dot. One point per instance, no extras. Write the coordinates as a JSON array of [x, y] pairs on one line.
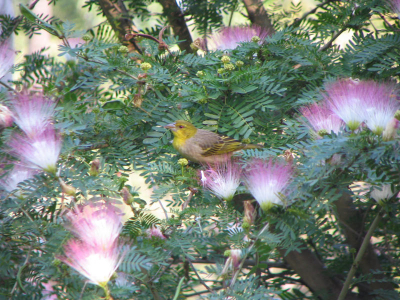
[[170, 126]]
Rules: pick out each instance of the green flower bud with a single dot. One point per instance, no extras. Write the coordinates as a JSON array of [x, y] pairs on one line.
[[183, 161], [221, 71], [229, 67], [225, 59], [255, 39], [227, 253], [239, 63], [322, 132], [246, 226], [145, 66], [200, 74], [246, 141], [203, 101], [397, 115], [87, 37], [123, 49]]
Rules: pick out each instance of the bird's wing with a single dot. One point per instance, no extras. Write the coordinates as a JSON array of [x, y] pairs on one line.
[[215, 144]]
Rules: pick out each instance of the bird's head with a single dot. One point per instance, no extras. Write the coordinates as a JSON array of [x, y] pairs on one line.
[[182, 129]]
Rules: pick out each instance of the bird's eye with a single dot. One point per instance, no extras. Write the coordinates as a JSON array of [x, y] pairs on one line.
[[181, 126]]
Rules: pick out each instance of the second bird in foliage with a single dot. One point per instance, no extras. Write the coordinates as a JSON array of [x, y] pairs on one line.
[[203, 146]]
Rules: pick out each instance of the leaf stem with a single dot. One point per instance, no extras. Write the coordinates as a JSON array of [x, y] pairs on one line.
[[360, 254]]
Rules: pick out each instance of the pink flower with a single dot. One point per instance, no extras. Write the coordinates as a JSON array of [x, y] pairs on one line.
[[41, 151], [321, 119], [223, 179], [381, 193], [356, 102], [230, 37], [267, 181], [97, 227], [154, 231], [390, 131], [14, 177], [48, 290], [6, 58], [236, 255], [96, 264], [6, 116], [395, 6], [33, 114]]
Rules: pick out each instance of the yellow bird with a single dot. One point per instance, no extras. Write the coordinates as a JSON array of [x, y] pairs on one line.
[[203, 146]]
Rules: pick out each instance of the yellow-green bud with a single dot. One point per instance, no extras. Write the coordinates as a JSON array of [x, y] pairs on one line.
[[145, 66], [246, 141], [322, 132], [227, 253], [194, 47], [225, 59], [87, 37], [255, 39], [56, 262], [123, 49], [221, 71], [183, 161], [200, 74], [229, 67], [239, 63], [397, 115], [203, 101], [246, 225]]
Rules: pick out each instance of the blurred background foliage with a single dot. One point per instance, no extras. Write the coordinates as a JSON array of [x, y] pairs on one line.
[[109, 108]]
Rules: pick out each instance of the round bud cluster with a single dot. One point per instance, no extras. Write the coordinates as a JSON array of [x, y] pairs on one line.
[[225, 59], [200, 74], [145, 66], [221, 71], [87, 37], [239, 63], [246, 141], [255, 39], [229, 67], [183, 161], [123, 49], [203, 101]]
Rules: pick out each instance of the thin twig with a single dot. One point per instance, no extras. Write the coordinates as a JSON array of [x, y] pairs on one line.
[[163, 208], [8, 87], [297, 21], [20, 272], [235, 276], [360, 254], [198, 276], [334, 37]]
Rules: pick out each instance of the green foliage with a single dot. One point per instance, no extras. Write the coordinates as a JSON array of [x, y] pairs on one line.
[[109, 108]]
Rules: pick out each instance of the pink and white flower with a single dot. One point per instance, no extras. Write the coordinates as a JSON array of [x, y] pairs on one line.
[[268, 181], [97, 227], [368, 101], [382, 193], [6, 58], [41, 151], [395, 6], [154, 231], [321, 119], [33, 114], [222, 179], [96, 264], [6, 116], [17, 175], [230, 37]]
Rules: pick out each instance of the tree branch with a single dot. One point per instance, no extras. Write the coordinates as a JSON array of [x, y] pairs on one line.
[[298, 21], [118, 17], [177, 21], [258, 15], [364, 246]]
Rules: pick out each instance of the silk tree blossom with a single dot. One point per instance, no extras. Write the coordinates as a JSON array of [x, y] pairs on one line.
[[390, 132], [233, 261], [395, 6], [14, 177], [98, 227], [48, 291], [321, 119], [6, 58], [346, 98], [368, 101], [267, 181], [6, 116], [222, 179], [96, 264], [33, 114], [380, 107], [41, 151], [155, 232], [382, 193], [230, 37]]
